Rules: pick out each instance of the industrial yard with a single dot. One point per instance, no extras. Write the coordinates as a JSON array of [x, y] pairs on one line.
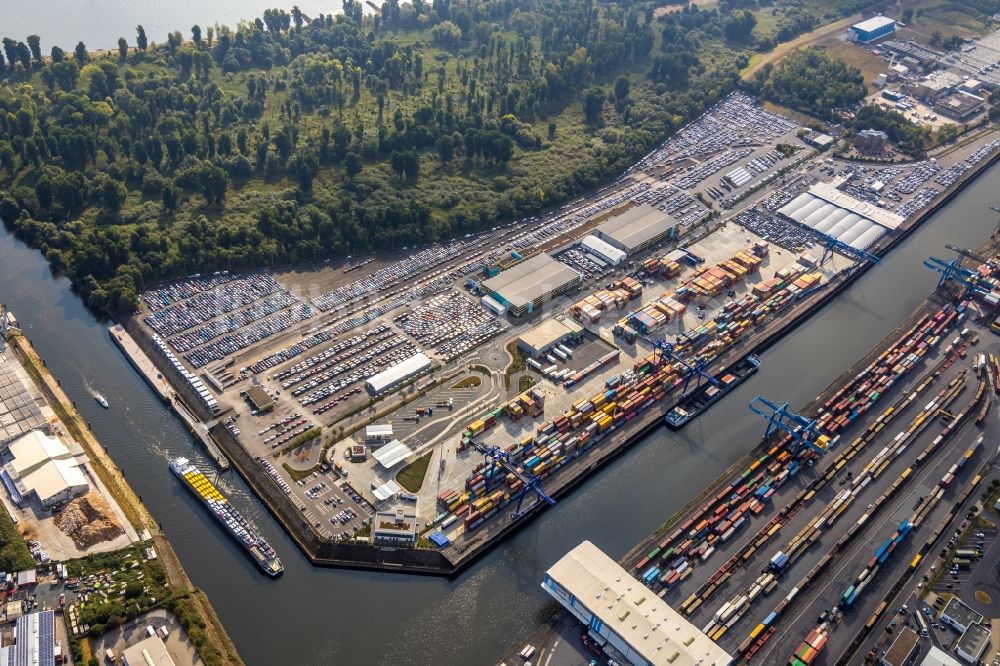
[[460, 385]]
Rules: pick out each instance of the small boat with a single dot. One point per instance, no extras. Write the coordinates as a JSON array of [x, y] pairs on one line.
[[703, 397], [101, 400], [995, 208]]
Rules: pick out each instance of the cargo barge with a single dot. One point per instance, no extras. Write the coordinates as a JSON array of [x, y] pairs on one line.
[[238, 526], [695, 403]]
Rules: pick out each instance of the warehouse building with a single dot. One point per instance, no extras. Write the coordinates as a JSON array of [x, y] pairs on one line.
[[833, 213], [902, 648], [633, 624], [147, 652], [20, 401], [524, 287], [397, 374], [547, 335], [261, 401], [43, 466], [636, 229], [375, 435], [607, 253], [972, 644], [872, 29], [961, 106], [34, 641]]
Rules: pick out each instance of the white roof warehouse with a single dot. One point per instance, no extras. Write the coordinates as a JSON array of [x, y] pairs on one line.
[[397, 374], [625, 615]]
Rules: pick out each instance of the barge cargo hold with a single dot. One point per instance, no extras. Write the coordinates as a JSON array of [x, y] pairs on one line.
[[703, 397], [238, 526]]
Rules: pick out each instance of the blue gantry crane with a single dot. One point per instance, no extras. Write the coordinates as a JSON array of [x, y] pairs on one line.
[[953, 270], [495, 457], [667, 353], [831, 245], [781, 417]]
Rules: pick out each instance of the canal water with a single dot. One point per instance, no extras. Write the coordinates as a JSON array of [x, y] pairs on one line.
[[99, 23], [313, 616]]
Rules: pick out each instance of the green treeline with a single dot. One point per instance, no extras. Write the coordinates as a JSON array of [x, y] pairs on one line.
[[293, 138]]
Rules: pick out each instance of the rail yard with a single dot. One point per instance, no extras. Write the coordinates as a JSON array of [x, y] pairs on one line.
[[502, 368], [831, 532]]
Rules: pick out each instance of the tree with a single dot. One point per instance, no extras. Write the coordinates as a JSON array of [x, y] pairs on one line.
[[352, 164], [621, 88], [122, 49], [196, 35], [552, 131], [907, 15], [57, 54], [447, 35], [936, 38], [81, 53], [304, 165], [24, 55], [739, 27], [593, 104], [35, 44], [445, 147], [140, 38]]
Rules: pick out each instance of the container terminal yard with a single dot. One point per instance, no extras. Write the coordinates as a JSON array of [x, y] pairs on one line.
[[508, 366], [831, 530]]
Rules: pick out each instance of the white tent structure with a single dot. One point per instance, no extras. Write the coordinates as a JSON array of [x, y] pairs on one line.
[[392, 454]]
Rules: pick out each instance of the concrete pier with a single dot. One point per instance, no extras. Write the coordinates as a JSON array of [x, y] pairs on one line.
[[141, 362]]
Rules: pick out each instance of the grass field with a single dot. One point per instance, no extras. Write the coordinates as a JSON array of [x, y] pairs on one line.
[[856, 55], [412, 476], [776, 54]]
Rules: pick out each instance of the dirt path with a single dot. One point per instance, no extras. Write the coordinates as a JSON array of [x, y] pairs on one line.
[[802, 40]]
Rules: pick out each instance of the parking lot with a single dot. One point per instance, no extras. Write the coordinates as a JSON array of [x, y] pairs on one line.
[[334, 509]]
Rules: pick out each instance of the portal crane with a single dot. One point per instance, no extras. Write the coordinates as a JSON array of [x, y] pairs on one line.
[[495, 457], [781, 417], [667, 353], [953, 270], [831, 245]]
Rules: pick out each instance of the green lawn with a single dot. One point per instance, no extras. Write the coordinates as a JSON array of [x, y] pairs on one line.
[[411, 477]]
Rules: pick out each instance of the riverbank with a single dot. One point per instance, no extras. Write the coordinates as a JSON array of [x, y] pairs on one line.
[[217, 639]]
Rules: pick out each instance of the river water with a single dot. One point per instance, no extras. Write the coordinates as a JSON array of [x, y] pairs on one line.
[[99, 23], [314, 616]]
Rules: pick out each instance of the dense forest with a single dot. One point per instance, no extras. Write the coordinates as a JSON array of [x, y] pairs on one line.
[[292, 138]]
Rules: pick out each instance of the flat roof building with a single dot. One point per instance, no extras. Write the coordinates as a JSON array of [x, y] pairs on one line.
[[957, 615], [148, 652], [973, 642], [378, 434], [43, 466], [547, 335], [902, 648], [259, 399], [604, 251], [633, 624], [871, 29], [397, 374], [961, 106], [398, 526], [525, 286], [636, 229]]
